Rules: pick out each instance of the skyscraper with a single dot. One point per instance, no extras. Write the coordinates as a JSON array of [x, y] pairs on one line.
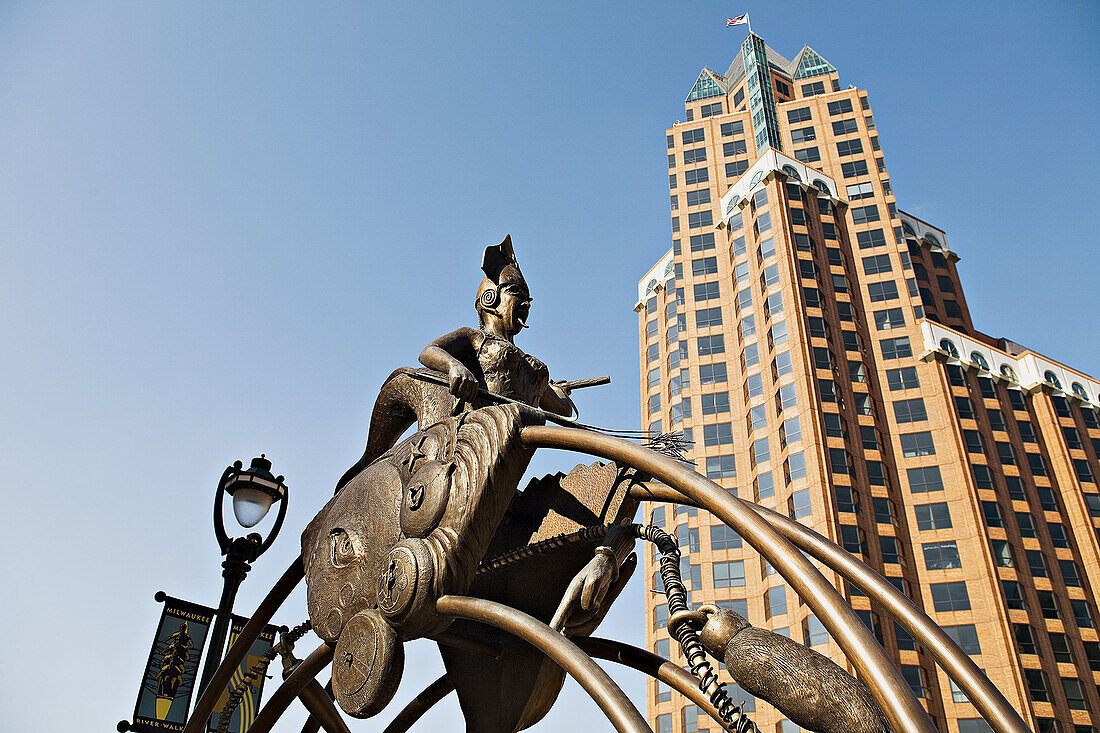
[[814, 342]]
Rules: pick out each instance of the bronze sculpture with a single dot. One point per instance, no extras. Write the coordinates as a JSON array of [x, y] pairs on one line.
[[429, 537]]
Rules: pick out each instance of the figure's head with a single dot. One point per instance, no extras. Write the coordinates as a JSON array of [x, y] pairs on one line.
[[503, 296]]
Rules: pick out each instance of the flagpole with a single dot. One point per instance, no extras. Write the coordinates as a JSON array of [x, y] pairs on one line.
[[749, 21]]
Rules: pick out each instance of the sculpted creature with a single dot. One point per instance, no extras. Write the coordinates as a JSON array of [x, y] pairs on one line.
[[411, 522]]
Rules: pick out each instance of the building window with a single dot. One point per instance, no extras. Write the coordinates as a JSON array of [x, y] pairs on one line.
[[777, 601], [718, 434], [932, 516], [910, 410], [708, 317], [800, 504], [794, 467], [698, 198], [864, 214], [813, 89], [696, 155], [704, 266], [724, 538], [1037, 685], [710, 110], [889, 318], [808, 155], [886, 290], [854, 168], [716, 403], [729, 574], [802, 114], [941, 555], [1002, 554], [924, 479], [849, 147], [903, 378], [950, 596], [697, 219], [729, 129], [702, 242], [840, 106], [695, 177], [712, 373], [876, 264], [706, 291], [895, 348], [858, 191], [737, 168], [845, 127]]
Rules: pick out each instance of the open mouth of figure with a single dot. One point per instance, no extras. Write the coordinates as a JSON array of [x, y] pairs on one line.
[[521, 317]]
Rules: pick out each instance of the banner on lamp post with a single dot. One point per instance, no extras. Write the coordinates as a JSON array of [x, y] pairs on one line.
[[244, 714], [170, 674]]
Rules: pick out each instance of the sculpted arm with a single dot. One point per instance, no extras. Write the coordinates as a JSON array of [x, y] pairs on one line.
[[449, 354], [556, 400]]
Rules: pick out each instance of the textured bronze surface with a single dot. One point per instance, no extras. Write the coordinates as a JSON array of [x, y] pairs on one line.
[[460, 474], [517, 689], [807, 687]]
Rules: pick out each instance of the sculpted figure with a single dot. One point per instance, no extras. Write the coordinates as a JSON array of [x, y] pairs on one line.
[[412, 520]]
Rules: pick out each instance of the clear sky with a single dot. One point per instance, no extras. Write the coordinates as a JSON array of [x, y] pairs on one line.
[[222, 225]]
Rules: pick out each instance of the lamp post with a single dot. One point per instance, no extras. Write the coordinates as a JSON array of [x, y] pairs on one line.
[[254, 491]]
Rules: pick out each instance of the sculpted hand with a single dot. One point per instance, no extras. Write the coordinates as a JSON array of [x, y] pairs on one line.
[[463, 382], [587, 590]]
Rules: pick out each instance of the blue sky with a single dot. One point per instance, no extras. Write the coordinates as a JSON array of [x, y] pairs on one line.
[[222, 225]]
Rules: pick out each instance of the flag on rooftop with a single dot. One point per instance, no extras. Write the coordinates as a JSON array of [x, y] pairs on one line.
[[739, 20]]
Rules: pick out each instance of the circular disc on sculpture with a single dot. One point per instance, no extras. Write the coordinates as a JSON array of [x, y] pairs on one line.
[[367, 665]]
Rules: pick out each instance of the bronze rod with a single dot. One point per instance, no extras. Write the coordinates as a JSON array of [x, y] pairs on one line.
[[204, 708], [652, 665], [312, 725], [985, 696], [302, 675], [600, 687], [891, 691], [321, 710], [420, 704]]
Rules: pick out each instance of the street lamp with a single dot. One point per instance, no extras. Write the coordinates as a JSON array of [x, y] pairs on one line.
[[254, 491]]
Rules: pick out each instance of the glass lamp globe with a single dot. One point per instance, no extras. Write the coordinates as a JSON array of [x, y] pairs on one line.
[[251, 505]]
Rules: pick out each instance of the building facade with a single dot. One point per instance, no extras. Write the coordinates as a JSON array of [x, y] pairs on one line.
[[814, 342]]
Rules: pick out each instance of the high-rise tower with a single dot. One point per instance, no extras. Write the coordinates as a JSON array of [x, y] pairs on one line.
[[814, 342]]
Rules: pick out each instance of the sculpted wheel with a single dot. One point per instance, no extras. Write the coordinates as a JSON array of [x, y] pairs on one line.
[[367, 665]]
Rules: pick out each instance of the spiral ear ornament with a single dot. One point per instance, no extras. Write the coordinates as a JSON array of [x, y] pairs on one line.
[[490, 298]]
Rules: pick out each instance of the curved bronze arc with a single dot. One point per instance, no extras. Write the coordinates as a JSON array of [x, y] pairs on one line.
[[652, 665], [600, 687], [302, 675], [204, 708], [989, 701], [420, 704], [869, 658]]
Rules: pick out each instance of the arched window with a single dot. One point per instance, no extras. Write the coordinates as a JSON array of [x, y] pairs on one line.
[[732, 204], [670, 268], [909, 229], [978, 359], [1079, 390], [1008, 371], [792, 172], [651, 287], [820, 185], [949, 346], [1052, 379], [931, 239], [756, 179]]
